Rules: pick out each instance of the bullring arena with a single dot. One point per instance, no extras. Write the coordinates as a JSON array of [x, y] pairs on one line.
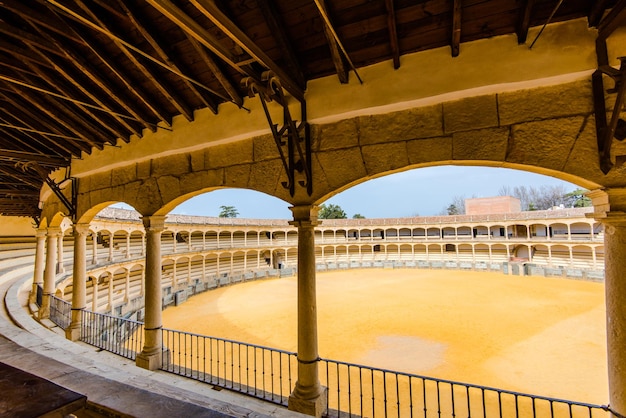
[[234, 279], [153, 102]]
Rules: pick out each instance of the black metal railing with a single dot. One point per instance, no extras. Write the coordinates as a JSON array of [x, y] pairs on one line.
[[114, 334], [60, 312], [355, 390], [262, 372]]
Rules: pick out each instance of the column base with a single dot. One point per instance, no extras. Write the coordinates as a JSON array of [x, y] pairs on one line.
[[73, 333], [44, 309], [153, 360], [315, 407]]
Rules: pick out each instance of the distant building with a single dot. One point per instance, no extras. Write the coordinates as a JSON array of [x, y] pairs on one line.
[[489, 205]]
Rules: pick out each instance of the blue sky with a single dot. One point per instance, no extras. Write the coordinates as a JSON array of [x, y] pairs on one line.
[[423, 191]]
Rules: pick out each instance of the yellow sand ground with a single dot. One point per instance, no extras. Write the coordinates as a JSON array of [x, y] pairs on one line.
[[531, 334]]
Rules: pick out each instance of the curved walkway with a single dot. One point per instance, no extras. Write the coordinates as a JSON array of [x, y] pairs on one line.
[[113, 386]]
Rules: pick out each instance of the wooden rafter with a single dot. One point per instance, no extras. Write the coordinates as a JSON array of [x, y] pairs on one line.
[[277, 28], [165, 90], [455, 42], [523, 21], [393, 33], [216, 70], [96, 129], [87, 91], [115, 70], [45, 106], [27, 111], [6, 155], [110, 92], [614, 19], [219, 19], [339, 61], [143, 27], [597, 12]]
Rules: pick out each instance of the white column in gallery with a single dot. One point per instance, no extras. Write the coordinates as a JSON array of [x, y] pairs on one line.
[[308, 395], [151, 357]]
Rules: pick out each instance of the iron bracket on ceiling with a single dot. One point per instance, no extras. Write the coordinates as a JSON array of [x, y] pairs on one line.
[[55, 187], [292, 139], [615, 127]]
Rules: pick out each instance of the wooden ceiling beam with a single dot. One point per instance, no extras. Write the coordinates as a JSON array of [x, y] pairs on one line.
[[614, 19], [87, 91], [45, 105], [39, 118], [95, 77], [277, 29], [116, 70], [222, 78], [20, 8], [12, 139], [6, 155], [8, 29], [393, 33], [343, 72], [95, 129], [193, 28], [164, 90], [21, 54], [210, 10], [170, 59], [455, 42], [597, 12], [19, 193], [16, 174], [523, 20]]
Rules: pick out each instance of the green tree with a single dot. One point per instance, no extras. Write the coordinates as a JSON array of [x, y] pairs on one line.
[[577, 199], [228, 212], [452, 209], [331, 211], [358, 216]]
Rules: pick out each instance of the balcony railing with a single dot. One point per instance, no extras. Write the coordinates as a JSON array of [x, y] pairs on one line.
[[353, 390], [60, 312]]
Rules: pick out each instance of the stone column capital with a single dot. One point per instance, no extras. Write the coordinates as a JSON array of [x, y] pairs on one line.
[[154, 223], [54, 231], [81, 229], [41, 233], [304, 216], [609, 205]]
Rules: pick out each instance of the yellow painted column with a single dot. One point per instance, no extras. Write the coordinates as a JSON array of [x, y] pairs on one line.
[[79, 281], [308, 396], [151, 356], [610, 209], [40, 262], [49, 275]]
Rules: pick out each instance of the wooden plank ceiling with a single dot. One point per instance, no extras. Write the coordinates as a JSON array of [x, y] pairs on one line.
[[82, 74]]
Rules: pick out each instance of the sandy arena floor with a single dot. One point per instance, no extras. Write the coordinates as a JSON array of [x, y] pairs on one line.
[[530, 334]]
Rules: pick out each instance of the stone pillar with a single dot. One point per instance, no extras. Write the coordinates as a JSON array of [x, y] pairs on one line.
[[49, 275], [610, 209], [60, 267], [308, 396], [94, 295], [110, 297], [40, 262], [128, 245], [127, 287], [94, 242], [79, 281], [111, 241], [151, 356]]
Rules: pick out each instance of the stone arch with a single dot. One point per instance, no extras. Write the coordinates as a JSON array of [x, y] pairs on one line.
[[503, 129]]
